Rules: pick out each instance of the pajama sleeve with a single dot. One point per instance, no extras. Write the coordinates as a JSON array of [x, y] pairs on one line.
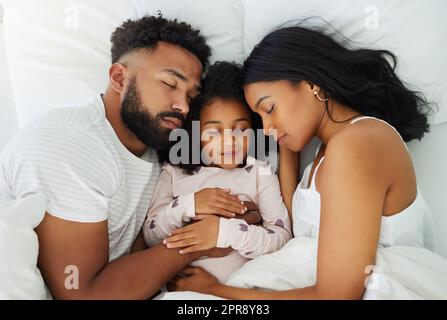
[[250, 240], [167, 212]]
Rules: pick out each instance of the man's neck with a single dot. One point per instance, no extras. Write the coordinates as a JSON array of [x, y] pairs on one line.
[[112, 105]]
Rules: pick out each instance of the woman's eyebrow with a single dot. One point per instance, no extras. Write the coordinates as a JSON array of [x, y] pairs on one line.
[[241, 119], [260, 100]]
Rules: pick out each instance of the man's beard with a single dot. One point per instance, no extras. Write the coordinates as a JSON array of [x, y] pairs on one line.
[[147, 128]]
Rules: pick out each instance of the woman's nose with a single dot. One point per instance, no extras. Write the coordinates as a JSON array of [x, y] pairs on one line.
[[268, 131]]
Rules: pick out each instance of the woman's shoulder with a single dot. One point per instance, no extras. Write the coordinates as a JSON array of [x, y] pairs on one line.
[[365, 139], [367, 147]]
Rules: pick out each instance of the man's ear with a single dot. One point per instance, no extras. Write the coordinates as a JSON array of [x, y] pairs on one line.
[[116, 77]]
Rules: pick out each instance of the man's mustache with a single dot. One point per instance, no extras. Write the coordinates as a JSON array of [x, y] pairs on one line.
[[172, 114]]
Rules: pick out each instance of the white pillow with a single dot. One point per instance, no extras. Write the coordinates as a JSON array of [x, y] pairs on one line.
[[59, 52], [414, 30], [220, 21], [19, 276], [8, 120]]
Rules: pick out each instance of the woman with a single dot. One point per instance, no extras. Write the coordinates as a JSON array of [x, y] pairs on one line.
[[303, 83]]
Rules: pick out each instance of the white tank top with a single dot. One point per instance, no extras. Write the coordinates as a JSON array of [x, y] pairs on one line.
[[412, 226]]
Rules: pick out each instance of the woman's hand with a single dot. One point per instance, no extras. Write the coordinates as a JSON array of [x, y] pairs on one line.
[[195, 237], [194, 279], [252, 216], [218, 201]]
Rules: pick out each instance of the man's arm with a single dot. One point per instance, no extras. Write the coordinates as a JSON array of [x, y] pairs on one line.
[[139, 243], [84, 248]]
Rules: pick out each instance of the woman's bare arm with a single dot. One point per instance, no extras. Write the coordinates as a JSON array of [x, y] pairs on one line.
[[288, 176]]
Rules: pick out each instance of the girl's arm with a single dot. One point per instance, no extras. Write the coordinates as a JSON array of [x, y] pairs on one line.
[[166, 213], [288, 175], [252, 241]]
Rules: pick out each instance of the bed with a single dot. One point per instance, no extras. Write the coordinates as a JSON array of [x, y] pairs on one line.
[[49, 47]]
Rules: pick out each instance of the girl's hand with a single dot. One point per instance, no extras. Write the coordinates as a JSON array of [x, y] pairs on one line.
[[195, 237], [218, 201], [194, 279]]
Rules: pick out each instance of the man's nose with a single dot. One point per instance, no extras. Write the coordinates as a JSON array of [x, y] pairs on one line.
[[181, 106]]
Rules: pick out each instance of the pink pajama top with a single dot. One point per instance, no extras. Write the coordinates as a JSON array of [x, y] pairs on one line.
[[173, 206]]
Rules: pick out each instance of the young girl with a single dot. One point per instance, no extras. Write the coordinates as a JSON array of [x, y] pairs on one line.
[[213, 192]]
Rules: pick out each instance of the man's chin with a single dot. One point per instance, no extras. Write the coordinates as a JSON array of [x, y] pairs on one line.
[[158, 144]]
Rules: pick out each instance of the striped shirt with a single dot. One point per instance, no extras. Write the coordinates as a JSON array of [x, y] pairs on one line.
[[74, 156]]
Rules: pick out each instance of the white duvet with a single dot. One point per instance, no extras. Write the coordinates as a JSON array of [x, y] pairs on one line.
[[400, 272]]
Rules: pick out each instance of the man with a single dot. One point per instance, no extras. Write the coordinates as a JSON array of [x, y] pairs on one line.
[[98, 167]]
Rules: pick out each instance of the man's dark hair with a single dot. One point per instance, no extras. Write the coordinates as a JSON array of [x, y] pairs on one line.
[[146, 32]]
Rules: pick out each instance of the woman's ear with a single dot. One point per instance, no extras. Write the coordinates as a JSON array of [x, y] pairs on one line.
[[116, 77], [312, 88]]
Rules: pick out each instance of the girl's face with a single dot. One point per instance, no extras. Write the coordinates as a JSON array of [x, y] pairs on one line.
[[224, 135], [291, 111]]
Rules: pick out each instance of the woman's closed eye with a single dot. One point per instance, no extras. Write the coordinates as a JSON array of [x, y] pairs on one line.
[[271, 109]]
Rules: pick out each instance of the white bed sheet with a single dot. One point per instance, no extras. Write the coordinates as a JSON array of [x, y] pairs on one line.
[[400, 272]]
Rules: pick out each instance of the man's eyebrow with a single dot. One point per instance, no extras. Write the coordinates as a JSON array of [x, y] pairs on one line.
[[260, 100], [177, 74]]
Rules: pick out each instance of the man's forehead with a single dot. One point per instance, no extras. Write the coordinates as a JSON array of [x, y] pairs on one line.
[[171, 57]]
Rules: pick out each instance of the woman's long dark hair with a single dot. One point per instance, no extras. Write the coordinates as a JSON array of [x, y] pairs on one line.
[[362, 79]]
